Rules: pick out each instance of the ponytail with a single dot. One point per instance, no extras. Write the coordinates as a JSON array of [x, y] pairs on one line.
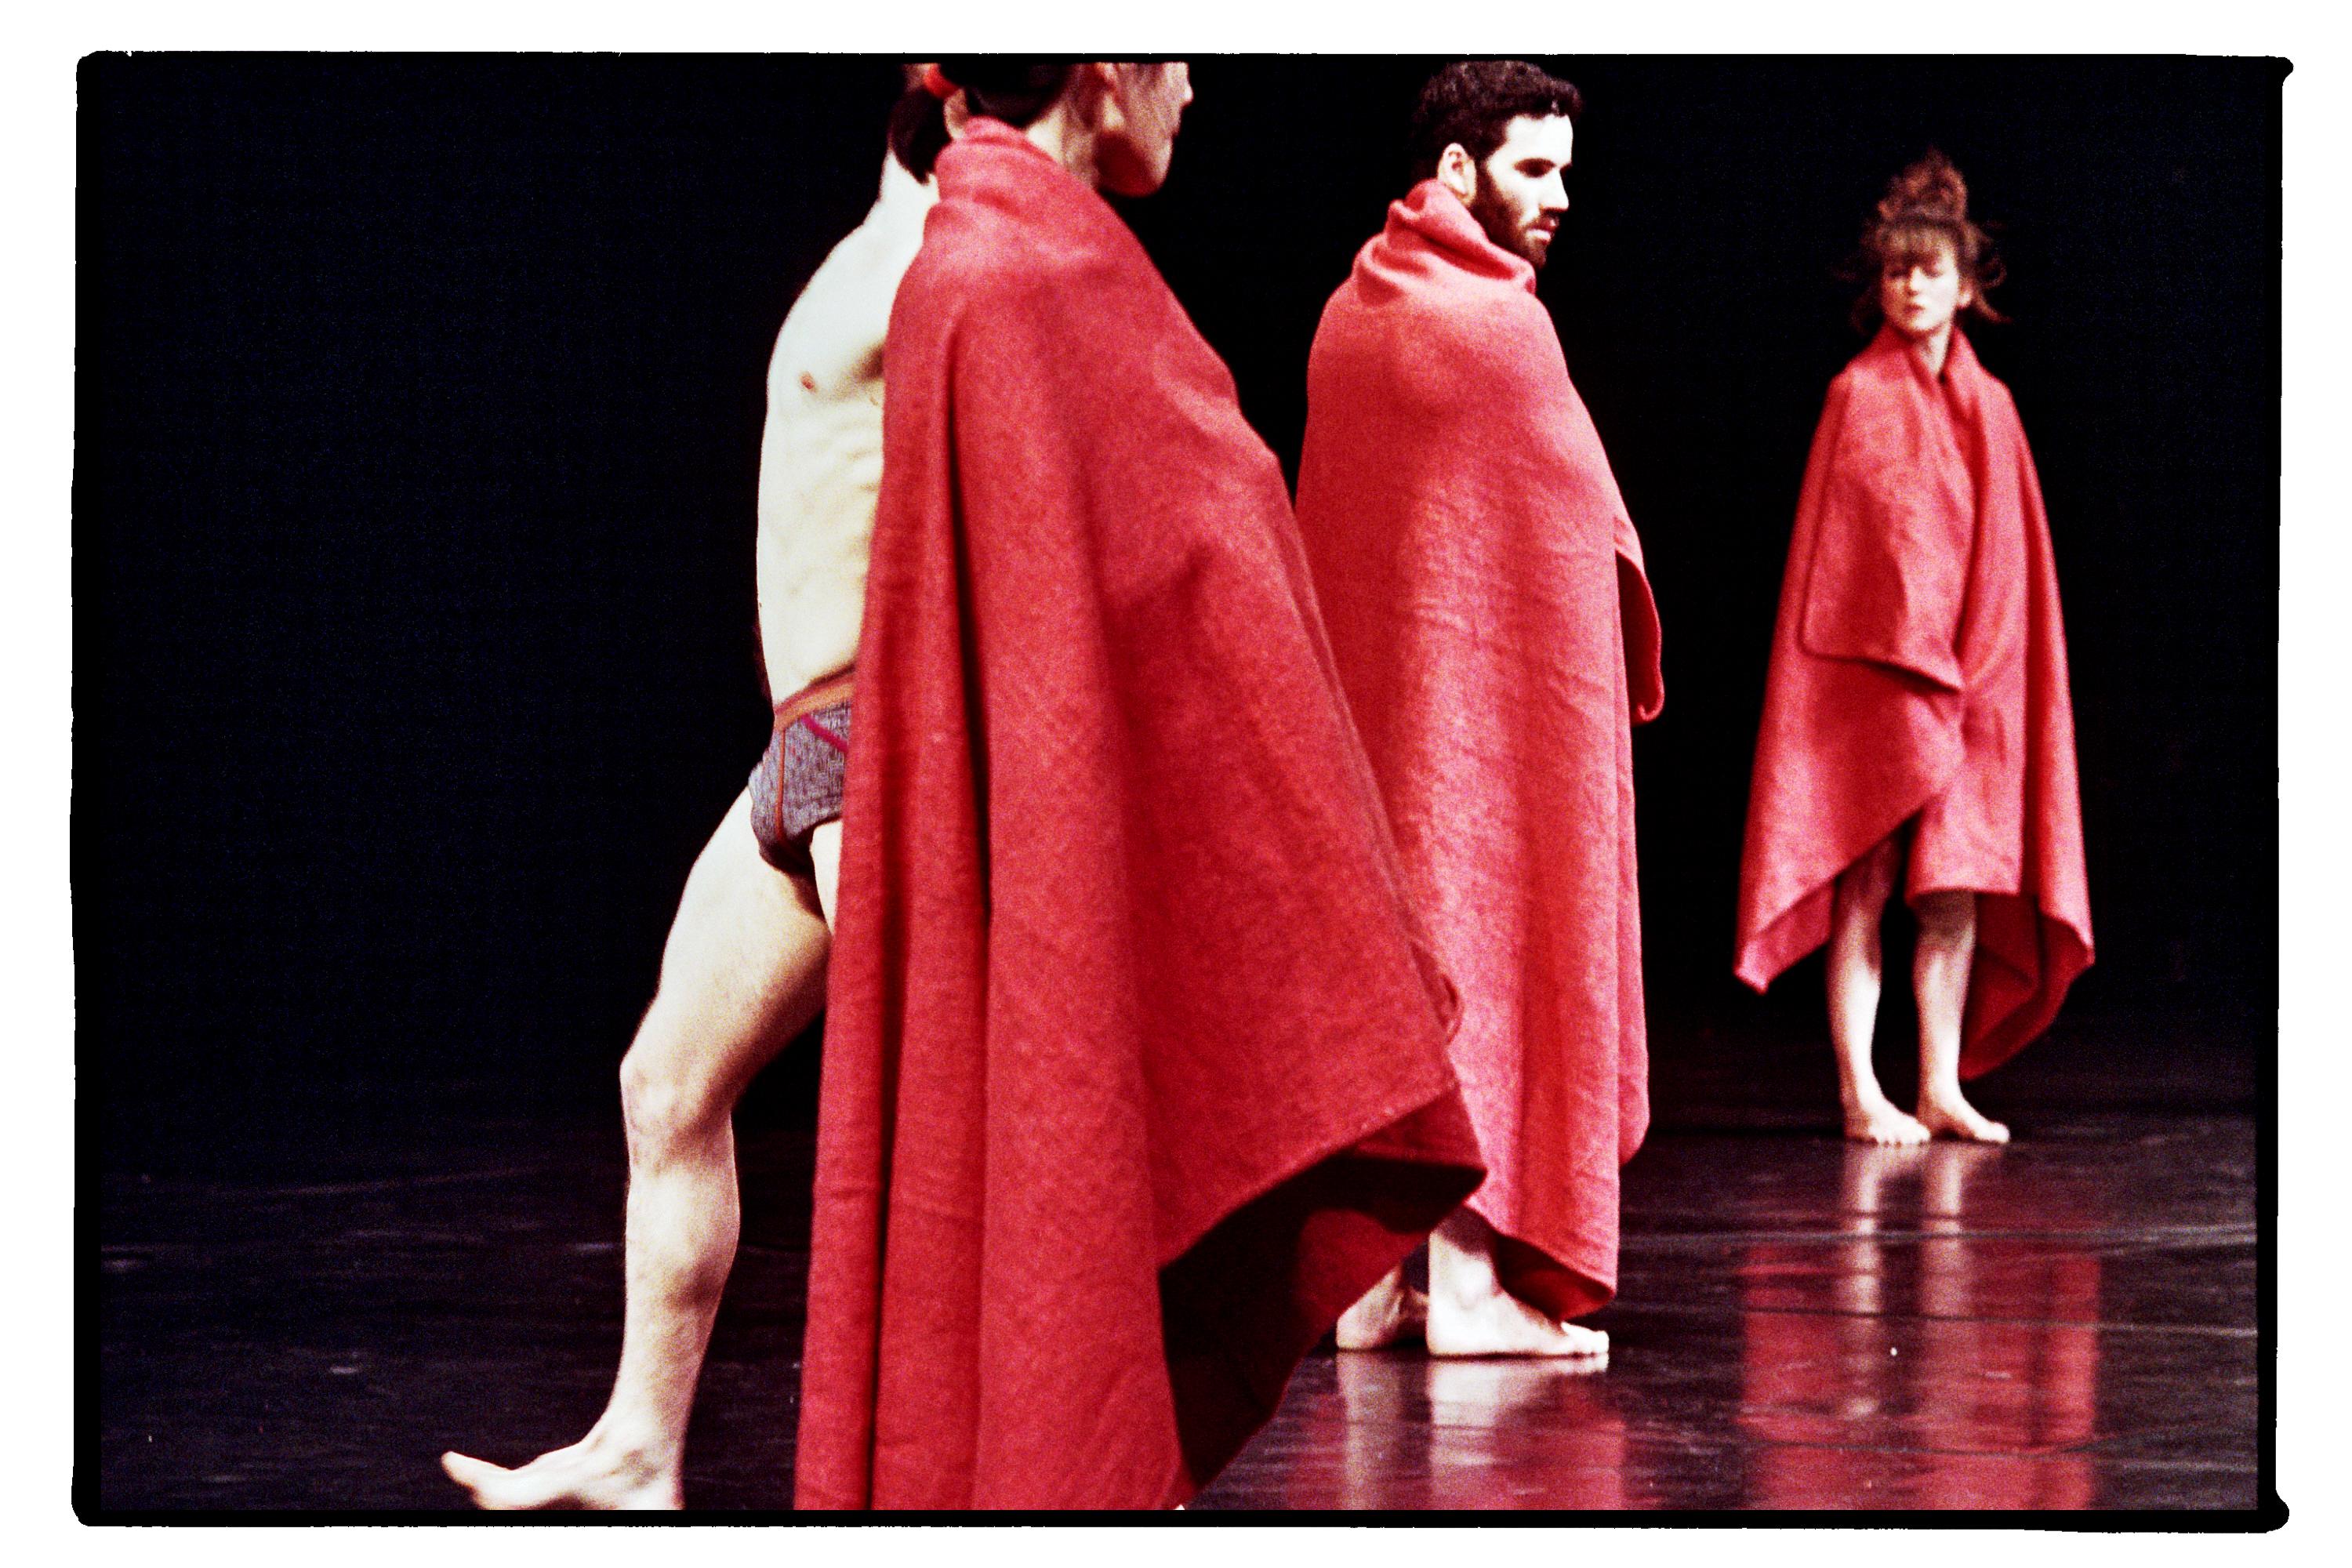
[[918, 131], [1006, 87]]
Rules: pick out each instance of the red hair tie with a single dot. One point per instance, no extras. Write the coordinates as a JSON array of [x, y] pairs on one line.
[[936, 84]]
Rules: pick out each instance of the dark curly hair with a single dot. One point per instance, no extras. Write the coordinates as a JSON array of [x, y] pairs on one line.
[[1474, 102], [1927, 202]]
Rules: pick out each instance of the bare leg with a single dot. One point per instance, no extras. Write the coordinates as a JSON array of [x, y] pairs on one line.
[[742, 973], [1390, 1310], [1947, 944], [825, 850], [1470, 1313], [1857, 905]]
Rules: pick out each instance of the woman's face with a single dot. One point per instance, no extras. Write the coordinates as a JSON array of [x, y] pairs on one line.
[[1920, 293], [1141, 110]]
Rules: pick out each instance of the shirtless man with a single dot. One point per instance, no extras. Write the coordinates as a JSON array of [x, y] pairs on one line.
[[743, 970]]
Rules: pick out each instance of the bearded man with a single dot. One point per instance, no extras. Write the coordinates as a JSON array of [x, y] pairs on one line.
[[1494, 634]]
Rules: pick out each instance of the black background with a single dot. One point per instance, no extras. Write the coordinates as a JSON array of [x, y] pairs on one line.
[[418, 407]]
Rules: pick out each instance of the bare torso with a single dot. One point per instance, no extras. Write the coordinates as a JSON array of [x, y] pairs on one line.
[[821, 453]]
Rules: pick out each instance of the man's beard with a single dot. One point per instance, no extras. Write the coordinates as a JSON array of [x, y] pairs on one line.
[[1503, 226]]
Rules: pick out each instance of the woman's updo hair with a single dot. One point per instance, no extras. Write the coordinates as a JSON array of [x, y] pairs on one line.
[[1007, 88], [1927, 202]]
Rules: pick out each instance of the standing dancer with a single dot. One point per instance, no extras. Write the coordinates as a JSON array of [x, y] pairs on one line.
[[1135, 1069], [1916, 705], [743, 971], [1497, 641]]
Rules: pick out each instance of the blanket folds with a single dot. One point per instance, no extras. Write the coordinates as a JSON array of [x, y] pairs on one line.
[[1918, 683], [1134, 1072], [1495, 630]]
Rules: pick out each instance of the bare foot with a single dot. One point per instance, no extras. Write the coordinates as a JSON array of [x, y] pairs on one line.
[[1879, 1122], [1502, 1324], [591, 1474], [1948, 1115], [1389, 1312]]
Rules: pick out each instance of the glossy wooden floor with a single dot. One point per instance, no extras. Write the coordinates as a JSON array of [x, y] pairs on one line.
[[2065, 1323]]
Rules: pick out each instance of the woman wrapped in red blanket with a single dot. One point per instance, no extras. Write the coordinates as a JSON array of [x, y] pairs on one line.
[[1135, 1066], [1918, 704]]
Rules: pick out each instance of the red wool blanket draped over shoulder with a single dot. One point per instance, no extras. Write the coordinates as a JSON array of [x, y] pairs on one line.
[[1487, 607], [1918, 676], [1134, 1068]]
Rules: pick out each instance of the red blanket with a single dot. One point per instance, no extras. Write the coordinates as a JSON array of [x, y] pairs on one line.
[[1919, 675], [1495, 634], [1134, 1068]]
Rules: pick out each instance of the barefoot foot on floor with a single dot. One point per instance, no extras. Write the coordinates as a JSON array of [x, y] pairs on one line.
[[588, 1475], [1389, 1311], [1949, 1116], [1880, 1122], [1502, 1324]]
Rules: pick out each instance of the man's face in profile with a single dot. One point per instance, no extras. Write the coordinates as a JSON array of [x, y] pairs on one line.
[[1523, 189]]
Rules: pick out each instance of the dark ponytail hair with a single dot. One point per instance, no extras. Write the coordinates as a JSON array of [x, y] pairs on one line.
[[1001, 86], [918, 129], [1007, 88]]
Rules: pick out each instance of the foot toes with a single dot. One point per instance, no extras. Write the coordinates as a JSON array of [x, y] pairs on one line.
[[476, 1476], [466, 1471], [1895, 1130], [1963, 1121], [1582, 1340]]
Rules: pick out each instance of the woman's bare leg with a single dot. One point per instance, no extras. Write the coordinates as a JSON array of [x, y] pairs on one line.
[[1858, 902], [742, 973], [1940, 974]]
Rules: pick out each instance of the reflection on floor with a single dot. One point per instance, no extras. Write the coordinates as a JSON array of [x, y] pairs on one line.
[[2064, 1323]]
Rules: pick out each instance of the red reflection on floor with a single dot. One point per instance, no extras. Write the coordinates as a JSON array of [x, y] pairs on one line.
[[2064, 1323], [1908, 1365], [1448, 1434]]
